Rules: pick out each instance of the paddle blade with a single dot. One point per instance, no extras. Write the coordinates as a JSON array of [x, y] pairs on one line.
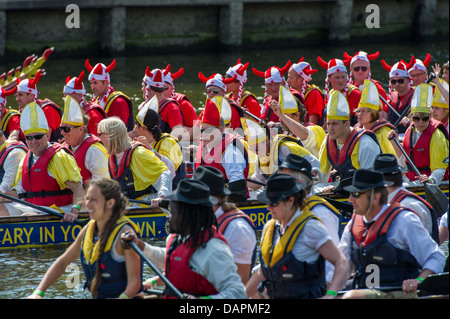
[[434, 285], [436, 198]]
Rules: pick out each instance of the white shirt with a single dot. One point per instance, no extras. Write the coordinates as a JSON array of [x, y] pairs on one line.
[[417, 206], [406, 232], [233, 163], [10, 166], [241, 238], [214, 262]]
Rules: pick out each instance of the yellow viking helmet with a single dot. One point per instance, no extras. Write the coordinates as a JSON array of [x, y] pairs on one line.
[[152, 104], [253, 131], [438, 99], [288, 102], [369, 96], [33, 120], [224, 108], [422, 98], [337, 107], [73, 113]]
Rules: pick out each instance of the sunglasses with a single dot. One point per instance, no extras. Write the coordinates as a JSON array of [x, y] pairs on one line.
[[399, 81], [36, 137], [362, 68], [425, 118], [357, 194], [67, 129], [215, 91]]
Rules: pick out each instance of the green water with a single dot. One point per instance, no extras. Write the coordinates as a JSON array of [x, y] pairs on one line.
[[23, 269]]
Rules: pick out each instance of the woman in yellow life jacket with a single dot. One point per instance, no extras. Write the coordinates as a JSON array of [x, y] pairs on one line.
[[294, 247], [368, 115], [110, 270]]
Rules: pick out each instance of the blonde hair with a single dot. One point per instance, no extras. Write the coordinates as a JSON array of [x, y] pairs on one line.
[[118, 140]]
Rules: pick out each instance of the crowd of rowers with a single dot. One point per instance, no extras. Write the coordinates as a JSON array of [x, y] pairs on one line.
[[333, 134]]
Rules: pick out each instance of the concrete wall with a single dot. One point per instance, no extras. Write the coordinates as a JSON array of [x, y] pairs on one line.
[[137, 26]]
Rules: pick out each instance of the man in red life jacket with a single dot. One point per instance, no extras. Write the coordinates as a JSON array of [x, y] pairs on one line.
[[418, 71], [48, 174], [9, 118], [75, 88], [27, 92], [360, 71], [337, 76], [186, 107], [197, 259], [115, 103], [171, 117], [216, 85], [223, 151], [244, 99], [273, 78], [400, 93], [89, 152], [237, 227], [388, 236], [299, 75]]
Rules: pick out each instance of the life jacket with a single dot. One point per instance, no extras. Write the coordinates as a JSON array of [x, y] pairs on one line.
[[180, 172], [114, 273], [245, 95], [399, 106], [269, 166], [124, 175], [420, 153], [6, 150], [287, 277], [4, 121], [224, 220], [341, 161], [45, 103], [80, 156], [163, 125], [111, 98], [435, 228], [180, 273], [371, 247], [214, 157], [312, 201], [40, 187]]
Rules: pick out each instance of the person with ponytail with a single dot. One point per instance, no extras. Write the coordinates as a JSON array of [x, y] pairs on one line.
[[119, 272]]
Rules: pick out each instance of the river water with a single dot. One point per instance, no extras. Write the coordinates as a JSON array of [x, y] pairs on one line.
[[22, 269]]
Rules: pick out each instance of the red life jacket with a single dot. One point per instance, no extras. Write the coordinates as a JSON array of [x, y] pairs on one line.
[[404, 193], [180, 273], [227, 217], [80, 156], [214, 157], [341, 161], [41, 188], [420, 153], [4, 153]]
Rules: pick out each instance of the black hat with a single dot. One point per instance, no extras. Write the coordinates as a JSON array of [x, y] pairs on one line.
[[297, 163], [365, 179], [386, 163], [212, 177], [192, 191], [279, 186]]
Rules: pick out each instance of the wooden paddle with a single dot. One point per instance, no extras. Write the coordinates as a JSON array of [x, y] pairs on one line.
[[156, 270], [44, 209], [433, 193]]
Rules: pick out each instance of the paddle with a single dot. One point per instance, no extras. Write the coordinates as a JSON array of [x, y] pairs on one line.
[[436, 284], [433, 193], [156, 270], [47, 210]]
